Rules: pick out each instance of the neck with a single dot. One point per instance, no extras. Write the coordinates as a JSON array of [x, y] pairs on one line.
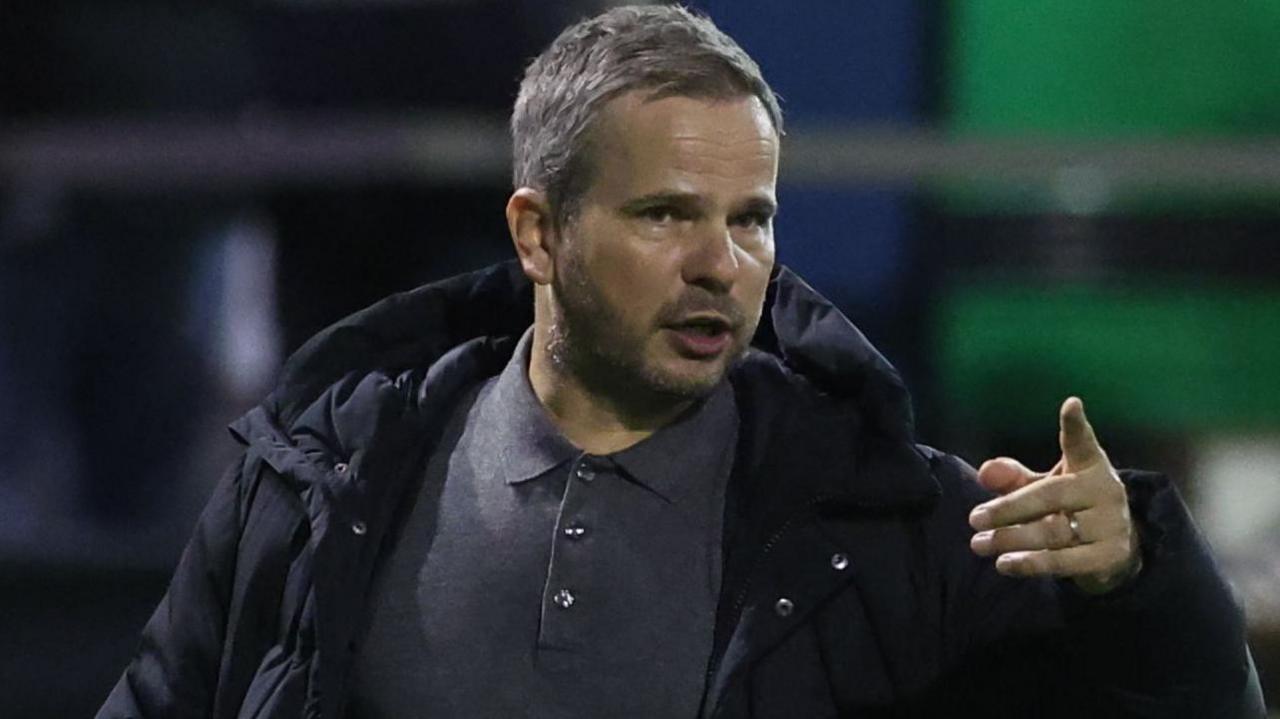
[[596, 422]]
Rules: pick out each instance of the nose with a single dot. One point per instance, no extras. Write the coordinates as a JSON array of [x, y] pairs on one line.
[[713, 262]]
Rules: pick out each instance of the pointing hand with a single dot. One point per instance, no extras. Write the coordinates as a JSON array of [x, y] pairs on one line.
[[1072, 521]]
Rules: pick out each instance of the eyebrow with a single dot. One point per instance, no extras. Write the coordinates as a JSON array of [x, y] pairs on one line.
[[757, 203], [680, 199], [763, 205]]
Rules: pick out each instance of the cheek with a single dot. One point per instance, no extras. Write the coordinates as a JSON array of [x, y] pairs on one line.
[[764, 253], [754, 283], [634, 281], [757, 265]]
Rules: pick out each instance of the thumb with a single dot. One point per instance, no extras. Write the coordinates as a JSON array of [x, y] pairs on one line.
[[1075, 435], [1003, 475]]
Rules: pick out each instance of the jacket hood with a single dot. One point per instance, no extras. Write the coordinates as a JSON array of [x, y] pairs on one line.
[[799, 328]]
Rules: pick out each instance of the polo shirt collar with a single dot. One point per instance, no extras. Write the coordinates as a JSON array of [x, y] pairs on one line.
[[691, 449], [529, 444], [517, 426]]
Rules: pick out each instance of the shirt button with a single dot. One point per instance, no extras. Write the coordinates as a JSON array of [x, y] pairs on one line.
[[575, 531], [839, 562], [358, 528], [564, 599], [585, 473], [784, 607]]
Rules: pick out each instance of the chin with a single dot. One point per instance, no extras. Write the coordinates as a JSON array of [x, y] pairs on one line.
[[686, 383]]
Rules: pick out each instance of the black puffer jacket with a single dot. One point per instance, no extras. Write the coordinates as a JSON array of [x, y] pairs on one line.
[[831, 506]]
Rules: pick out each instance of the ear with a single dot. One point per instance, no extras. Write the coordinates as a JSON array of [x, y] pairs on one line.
[[530, 223]]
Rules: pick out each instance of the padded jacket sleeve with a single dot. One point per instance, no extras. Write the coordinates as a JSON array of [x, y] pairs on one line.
[[1170, 643], [174, 672]]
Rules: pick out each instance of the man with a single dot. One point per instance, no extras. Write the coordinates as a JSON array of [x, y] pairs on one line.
[[688, 488]]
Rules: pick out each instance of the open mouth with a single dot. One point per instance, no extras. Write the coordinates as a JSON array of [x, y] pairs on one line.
[[702, 337], [705, 326]]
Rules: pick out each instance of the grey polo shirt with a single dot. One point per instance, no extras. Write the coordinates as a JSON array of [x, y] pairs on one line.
[[533, 579]]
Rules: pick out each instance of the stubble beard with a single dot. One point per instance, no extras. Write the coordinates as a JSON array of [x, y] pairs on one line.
[[589, 342]]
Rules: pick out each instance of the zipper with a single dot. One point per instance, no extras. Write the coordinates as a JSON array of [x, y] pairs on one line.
[[741, 598]]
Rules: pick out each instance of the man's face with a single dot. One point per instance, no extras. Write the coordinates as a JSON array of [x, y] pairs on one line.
[[661, 274]]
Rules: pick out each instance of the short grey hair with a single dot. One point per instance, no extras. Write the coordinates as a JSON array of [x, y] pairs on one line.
[[667, 50]]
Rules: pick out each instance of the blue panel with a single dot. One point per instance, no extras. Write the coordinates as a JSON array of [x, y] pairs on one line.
[[846, 63], [846, 244], [832, 60]]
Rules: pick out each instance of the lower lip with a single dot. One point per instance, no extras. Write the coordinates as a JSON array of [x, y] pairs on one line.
[[699, 345]]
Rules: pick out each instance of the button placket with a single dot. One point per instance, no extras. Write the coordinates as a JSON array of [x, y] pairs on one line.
[[589, 468], [563, 611]]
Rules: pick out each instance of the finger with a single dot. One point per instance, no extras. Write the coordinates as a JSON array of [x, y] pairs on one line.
[[1086, 559], [1103, 524], [1003, 475], [1052, 531], [1063, 493], [1079, 444]]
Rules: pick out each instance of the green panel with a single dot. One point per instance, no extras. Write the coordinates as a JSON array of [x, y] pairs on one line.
[[1150, 357], [1115, 67]]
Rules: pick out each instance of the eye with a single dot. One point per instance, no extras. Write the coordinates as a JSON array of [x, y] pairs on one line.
[[660, 214], [753, 219]]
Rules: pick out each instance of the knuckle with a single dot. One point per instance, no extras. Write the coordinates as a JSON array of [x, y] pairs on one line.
[[1069, 490], [1053, 491], [1115, 553], [1006, 539], [1049, 563], [1062, 531], [1092, 562], [1052, 528], [1038, 503]]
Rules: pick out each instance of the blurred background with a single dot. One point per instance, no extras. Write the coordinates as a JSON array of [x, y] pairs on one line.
[[1017, 200]]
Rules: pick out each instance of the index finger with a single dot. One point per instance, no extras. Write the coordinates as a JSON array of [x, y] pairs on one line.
[[1075, 435], [1061, 493]]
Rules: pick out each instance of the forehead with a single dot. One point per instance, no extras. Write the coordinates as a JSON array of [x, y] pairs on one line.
[[642, 144]]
